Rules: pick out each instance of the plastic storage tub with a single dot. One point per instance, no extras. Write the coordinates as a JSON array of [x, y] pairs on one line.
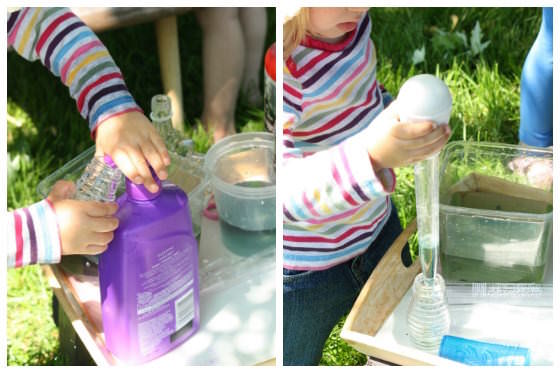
[[242, 173], [495, 222]]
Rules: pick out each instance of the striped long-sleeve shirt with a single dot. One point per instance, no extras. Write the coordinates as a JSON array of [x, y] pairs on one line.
[[334, 203], [71, 51]]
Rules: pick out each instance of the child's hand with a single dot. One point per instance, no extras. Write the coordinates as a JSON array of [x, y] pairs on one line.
[[395, 143], [86, 227], [131, 140]]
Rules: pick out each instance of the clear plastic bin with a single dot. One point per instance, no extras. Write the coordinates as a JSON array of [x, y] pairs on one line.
[[495, 219]]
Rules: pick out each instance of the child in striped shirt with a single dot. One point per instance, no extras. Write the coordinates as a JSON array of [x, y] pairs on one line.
[[56, 226], [340, 144]]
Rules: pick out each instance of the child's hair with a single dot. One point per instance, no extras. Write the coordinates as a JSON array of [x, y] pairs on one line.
[[294, 31]]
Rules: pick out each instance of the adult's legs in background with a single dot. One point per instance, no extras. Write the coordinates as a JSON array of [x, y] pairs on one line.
[[253, 22], [223, 55]]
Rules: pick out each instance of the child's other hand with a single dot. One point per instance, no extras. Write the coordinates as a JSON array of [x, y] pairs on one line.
[[396, 144], [131, 140], [86, 227]]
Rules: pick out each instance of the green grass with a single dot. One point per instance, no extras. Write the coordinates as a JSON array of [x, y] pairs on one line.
[[45, 131]]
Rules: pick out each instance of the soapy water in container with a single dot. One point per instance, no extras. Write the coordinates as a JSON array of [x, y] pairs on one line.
[[243, 177], [242, 173]]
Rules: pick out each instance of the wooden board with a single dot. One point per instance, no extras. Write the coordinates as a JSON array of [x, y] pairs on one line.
[[384, 289], [484, 183]]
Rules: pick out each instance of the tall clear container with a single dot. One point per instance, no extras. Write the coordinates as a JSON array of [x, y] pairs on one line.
[[425, 97]]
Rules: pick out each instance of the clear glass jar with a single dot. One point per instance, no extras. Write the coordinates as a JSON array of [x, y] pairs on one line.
[[428, 315], [161, 118]]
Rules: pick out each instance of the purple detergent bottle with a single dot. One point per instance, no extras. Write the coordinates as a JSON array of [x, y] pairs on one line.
[[148, 276]]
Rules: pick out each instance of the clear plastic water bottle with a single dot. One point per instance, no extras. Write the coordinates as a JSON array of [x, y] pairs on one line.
[[99, 181]]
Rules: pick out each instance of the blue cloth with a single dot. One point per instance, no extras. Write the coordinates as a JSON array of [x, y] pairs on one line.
[[536, 88], [314, 301]]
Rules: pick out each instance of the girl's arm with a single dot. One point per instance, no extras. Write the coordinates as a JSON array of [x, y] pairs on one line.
[[71, 51], [330, 182], [33, 236]]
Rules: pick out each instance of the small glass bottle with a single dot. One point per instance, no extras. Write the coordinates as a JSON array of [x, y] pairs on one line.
[[99, 181], [428, 315], [161, 118]]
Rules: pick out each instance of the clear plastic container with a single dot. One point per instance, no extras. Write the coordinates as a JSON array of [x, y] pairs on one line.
[[242, 173], [495, 216], [71, 171]]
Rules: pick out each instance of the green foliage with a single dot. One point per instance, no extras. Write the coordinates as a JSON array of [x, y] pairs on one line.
[[31, 335], [201, 138], [337, 352]]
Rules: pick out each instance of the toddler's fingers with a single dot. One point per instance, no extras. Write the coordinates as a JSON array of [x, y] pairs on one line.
[[145, 176], [430, 138], [100, 238], [429, 149], [95, 249], [161, 148], [412, 130], [100, 209], [103, 224], [62, 189], [154, 159], [125, 164]]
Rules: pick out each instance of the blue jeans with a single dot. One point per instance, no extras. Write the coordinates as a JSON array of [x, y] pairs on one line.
[[314, 301]]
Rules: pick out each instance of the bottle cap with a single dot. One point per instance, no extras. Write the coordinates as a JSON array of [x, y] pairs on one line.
[[270, 62], [138, 192]]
